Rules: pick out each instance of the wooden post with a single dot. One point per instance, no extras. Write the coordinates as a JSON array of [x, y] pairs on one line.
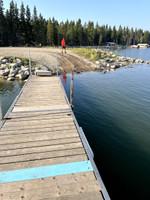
[[56, 64], [1, 115], [71, 91], [29, 63]]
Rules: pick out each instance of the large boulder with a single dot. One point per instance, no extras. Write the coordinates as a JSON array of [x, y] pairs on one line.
[[4, 61], [15, 65], [22, 76], [24, 68], [3, 66], [11, 79], [13, 72], [6, 72]]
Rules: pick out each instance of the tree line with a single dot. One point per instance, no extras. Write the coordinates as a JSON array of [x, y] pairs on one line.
[[18, 27]]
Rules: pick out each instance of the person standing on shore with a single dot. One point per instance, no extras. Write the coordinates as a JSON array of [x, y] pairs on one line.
[[63, 44]]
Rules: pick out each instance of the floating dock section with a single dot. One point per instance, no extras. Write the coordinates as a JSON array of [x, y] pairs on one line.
[[44, 154]]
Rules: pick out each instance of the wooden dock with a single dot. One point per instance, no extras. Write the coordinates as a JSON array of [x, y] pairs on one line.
[[44, 154]]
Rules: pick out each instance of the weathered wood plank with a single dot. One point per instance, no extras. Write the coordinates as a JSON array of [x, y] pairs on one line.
[[52, 192], [35, 124], [82, 196], [39, 143], [43, 162], [41, 155], [50, 181], [47, 148], [36, 127], [50, 130], [37, 136]]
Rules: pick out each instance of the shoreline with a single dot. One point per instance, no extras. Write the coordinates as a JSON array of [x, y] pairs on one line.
[[14, 65]]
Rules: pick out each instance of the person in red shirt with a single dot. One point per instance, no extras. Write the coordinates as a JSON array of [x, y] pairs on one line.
[[63, 44]]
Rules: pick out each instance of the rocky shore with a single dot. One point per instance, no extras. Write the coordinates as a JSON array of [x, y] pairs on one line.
[[113, 61], [12, 68]]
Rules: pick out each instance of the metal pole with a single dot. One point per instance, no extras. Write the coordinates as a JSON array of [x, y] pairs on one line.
[[71, 91], [1, 116], [29, 63], [56, 64]]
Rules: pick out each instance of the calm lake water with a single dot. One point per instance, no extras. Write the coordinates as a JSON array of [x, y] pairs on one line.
[[8, 92], [114, 111]]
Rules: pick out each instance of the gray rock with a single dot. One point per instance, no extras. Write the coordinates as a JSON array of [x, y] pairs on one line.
[[24, 68], [15, 65], [11, 79], [13, 73], [3, 66], [113, 66], [6, 72], [4, 61], [147, 62], [27, 72], [139, 61], [97, 62], [22, 76]]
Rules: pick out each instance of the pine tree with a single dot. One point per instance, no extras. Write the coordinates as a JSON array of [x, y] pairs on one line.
[[28, 31], [16, 25], [35, 27], [90, 29], [79, 32], [114, 34], [11, 23], [50, 33], [2, 18], [22, 25], [109, 39], [55, 31], [42, 30], [146, 37], [119, 36], [96, 34]]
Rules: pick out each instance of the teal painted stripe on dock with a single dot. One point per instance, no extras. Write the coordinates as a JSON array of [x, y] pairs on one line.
[[45, 171]]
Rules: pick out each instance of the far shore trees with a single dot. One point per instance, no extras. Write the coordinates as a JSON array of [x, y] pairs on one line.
[[19, 27]]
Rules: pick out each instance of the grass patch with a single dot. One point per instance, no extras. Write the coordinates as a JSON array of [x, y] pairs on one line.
[[88, 53], [93, 54]]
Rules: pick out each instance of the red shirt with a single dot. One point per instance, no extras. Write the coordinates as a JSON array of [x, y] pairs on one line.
[[63, 42]]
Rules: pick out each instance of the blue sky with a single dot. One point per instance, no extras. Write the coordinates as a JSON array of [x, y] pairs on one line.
[[132, 13]]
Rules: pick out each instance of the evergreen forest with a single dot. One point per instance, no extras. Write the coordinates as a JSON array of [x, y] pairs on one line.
[[20, 27]]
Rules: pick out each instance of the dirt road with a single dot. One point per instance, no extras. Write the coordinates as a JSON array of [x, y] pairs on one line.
[[47, 57]]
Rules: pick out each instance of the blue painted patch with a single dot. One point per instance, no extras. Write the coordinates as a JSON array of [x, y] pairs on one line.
[[46, 171]]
